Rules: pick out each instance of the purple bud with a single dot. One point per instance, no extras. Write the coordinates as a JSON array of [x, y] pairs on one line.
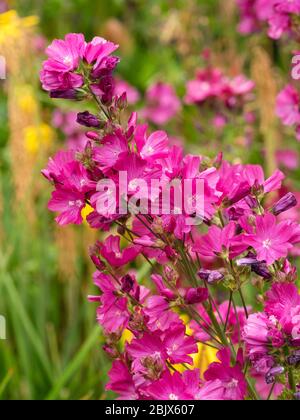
[[88, 120], [294, 359], [127, 284], [251, 201], [285, 203], [242, 192], [66, 94], [194, 296], [271, 375], [210, 276], [260, 268], [297, 396]]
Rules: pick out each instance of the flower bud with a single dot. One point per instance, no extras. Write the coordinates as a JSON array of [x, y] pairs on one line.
[[285, 203], [271, 375], [194, 296], [210, 276], [71, 94], [127, 283], [88, 120], [294, 359]]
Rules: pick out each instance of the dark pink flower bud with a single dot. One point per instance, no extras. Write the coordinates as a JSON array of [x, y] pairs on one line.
[[127, 283], [71, 94], [285, 203], [88, 120], [194, 296]]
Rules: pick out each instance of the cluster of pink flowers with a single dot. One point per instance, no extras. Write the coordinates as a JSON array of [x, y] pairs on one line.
[[288, 108], [279, 15], [165, 318], [222, 94]]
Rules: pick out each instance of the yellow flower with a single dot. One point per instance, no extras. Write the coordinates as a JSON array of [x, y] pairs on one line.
[[126, 338], [86, 211], [12, 25], [26, 100], [37, 136]]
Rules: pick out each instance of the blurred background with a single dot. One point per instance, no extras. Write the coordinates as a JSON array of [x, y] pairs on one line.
[[53, 345]]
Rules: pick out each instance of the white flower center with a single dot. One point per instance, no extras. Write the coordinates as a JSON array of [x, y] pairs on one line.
[[75, 203], [267, 243], [232, 384], [68, 60], [173, 397]]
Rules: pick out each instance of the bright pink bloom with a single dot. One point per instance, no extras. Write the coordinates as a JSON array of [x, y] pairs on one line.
[[283, 303], [69, 204], [65, 55], [219, 241], [170, 387], [153, 147], [120, 381], [159, 315], [271, 241], [97, 50], [255, 334], [179, 346], [116, 257], [113, 146], [231, 380], [113, 314]]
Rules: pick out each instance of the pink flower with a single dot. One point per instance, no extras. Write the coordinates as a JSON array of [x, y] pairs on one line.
[[153, 147], [62, 75], [65, 55], [170, 387], [159, 315], [113, 314], [231, 383], [162, 103], [111, 251], [55, 165], [219, 241], [113, 146], [69, 204], [288, 106], [255, 334], [271, 241], [97, 50], [283, 302], [120, 381], [179, 346]]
